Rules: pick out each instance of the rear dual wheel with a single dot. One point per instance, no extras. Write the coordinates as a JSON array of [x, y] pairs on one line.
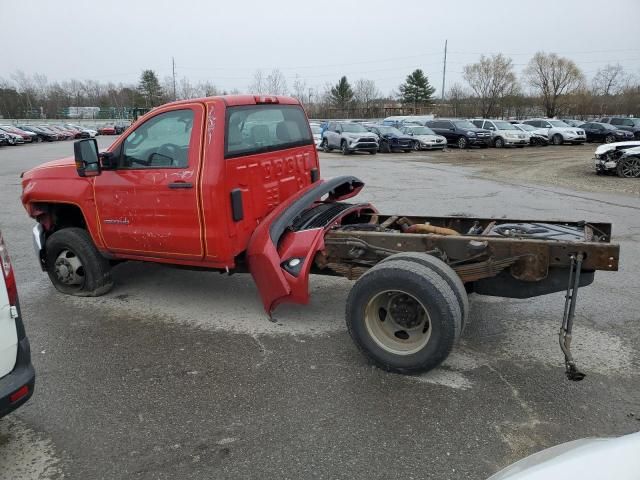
[[404, 315]]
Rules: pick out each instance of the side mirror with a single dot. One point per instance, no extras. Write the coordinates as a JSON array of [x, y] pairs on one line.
[[86, 156]]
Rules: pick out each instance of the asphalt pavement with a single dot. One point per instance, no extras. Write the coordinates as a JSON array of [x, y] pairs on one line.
[[180, 375]]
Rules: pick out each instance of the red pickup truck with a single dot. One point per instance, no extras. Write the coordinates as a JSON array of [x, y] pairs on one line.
[[232, 183]]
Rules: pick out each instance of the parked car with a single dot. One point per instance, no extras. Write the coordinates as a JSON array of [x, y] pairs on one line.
[[398, 121], [424, 138], [605, 132], [107, 130], [536, 137], [624, 123], [584, 459], [13, 138], [316, 130], [4, 139], [55, 133], [41, 134], [28, 137], [17, 376], [120, 127], [459, 132], [503, 134], [572, 122], [621, 158], [90, 132], [557, 131], [390, 138], [62, 132], [349, 137]]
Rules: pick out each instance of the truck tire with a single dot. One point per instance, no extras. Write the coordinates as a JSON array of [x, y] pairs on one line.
[[403, 317], [557, 139], [74, 264], [444, 271]]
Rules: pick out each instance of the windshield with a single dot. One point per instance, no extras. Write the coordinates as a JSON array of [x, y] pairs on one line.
[[607, 126], [558, 123], [464, 124], [353, 128], [421, 131], [525, 127], [389, 130], [504, 125]]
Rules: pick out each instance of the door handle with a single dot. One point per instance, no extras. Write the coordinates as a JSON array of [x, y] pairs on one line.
[[177, 185]]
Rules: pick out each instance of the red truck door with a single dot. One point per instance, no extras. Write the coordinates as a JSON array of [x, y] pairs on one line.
[[148, 204]]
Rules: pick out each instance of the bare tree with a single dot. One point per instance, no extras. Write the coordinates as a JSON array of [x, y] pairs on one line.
[[276, 83], [299, 90], [491, 79], [553, 77], [259, 83], [365, 92], [609, 80], [457, 97]]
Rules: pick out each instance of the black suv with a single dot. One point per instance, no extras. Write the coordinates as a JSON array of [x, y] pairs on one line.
[[624, 123], [391, 138], [460, 132]]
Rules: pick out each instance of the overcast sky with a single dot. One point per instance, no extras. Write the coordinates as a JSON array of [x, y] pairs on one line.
[[383, 40]]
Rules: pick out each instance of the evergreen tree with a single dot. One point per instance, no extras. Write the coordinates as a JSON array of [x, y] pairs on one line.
[[341, 94], [416, 89], [150, 89]]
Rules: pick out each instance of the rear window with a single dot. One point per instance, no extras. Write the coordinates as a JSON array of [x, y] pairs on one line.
[[255, 129]]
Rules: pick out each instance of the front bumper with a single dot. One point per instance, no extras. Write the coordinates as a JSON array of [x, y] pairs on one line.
[[575, 138], [23, 375], [432, 145], [479, 140], [364, 146], [605, 165]]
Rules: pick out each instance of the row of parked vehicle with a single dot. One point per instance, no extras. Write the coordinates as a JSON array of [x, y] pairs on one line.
[[33, 133], [427, 133]]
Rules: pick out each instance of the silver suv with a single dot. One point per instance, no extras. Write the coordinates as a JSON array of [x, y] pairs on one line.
[[557, 131], [349, 137], [503, 134]]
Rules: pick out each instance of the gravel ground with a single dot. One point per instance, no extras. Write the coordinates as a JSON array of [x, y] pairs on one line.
[[567, 166]]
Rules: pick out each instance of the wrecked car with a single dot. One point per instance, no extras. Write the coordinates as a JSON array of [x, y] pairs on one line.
[[621, 158], [233, 184]]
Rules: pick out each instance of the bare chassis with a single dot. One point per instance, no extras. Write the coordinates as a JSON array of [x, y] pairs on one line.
[[489, 264]]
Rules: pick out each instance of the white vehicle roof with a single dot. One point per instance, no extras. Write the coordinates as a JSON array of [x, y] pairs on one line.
[[613, 146]]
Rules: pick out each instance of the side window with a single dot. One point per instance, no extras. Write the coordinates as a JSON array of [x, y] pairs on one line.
[[616, 121], [161, 142], [477, 123], [489, 126], [628, 122], [331, 127], [546, 125]]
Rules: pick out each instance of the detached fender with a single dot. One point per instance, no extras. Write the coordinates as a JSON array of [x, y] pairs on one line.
[[280, 260]]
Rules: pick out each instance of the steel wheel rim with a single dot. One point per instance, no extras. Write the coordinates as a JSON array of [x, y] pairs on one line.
[[398, 322], [631, 168], [68, 269]]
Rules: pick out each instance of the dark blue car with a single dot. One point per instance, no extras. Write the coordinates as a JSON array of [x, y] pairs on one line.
[[391, 138]]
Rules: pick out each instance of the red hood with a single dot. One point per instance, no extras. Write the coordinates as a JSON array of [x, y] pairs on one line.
[[62, 162]]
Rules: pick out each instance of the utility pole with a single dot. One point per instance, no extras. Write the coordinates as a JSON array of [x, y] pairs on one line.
[[444, 68], [173, 67]]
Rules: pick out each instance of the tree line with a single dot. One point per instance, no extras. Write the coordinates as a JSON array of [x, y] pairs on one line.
[[550, 85]]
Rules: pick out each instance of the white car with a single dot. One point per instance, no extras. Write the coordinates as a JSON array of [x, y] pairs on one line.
[[503, 134], [621, 158], [584, 459], [425, 138], [16, 372], [316, 130], [92, 133], [557, 131], [536, 136]]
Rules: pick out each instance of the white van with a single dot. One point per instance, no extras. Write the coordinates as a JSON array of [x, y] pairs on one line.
[[17, 376]]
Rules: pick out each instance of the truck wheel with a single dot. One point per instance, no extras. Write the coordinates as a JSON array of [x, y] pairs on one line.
[[462, 143], [403, 316], [557, 139], [344, 148], [444, 271], [325, 146], [629, 167], [75, 266]]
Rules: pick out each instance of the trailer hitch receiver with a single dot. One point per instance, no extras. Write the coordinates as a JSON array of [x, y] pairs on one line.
[[571, 299]]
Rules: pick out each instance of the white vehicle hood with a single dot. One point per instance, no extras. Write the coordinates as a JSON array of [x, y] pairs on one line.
[[428, 138], [602, 149], [585, 459]]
